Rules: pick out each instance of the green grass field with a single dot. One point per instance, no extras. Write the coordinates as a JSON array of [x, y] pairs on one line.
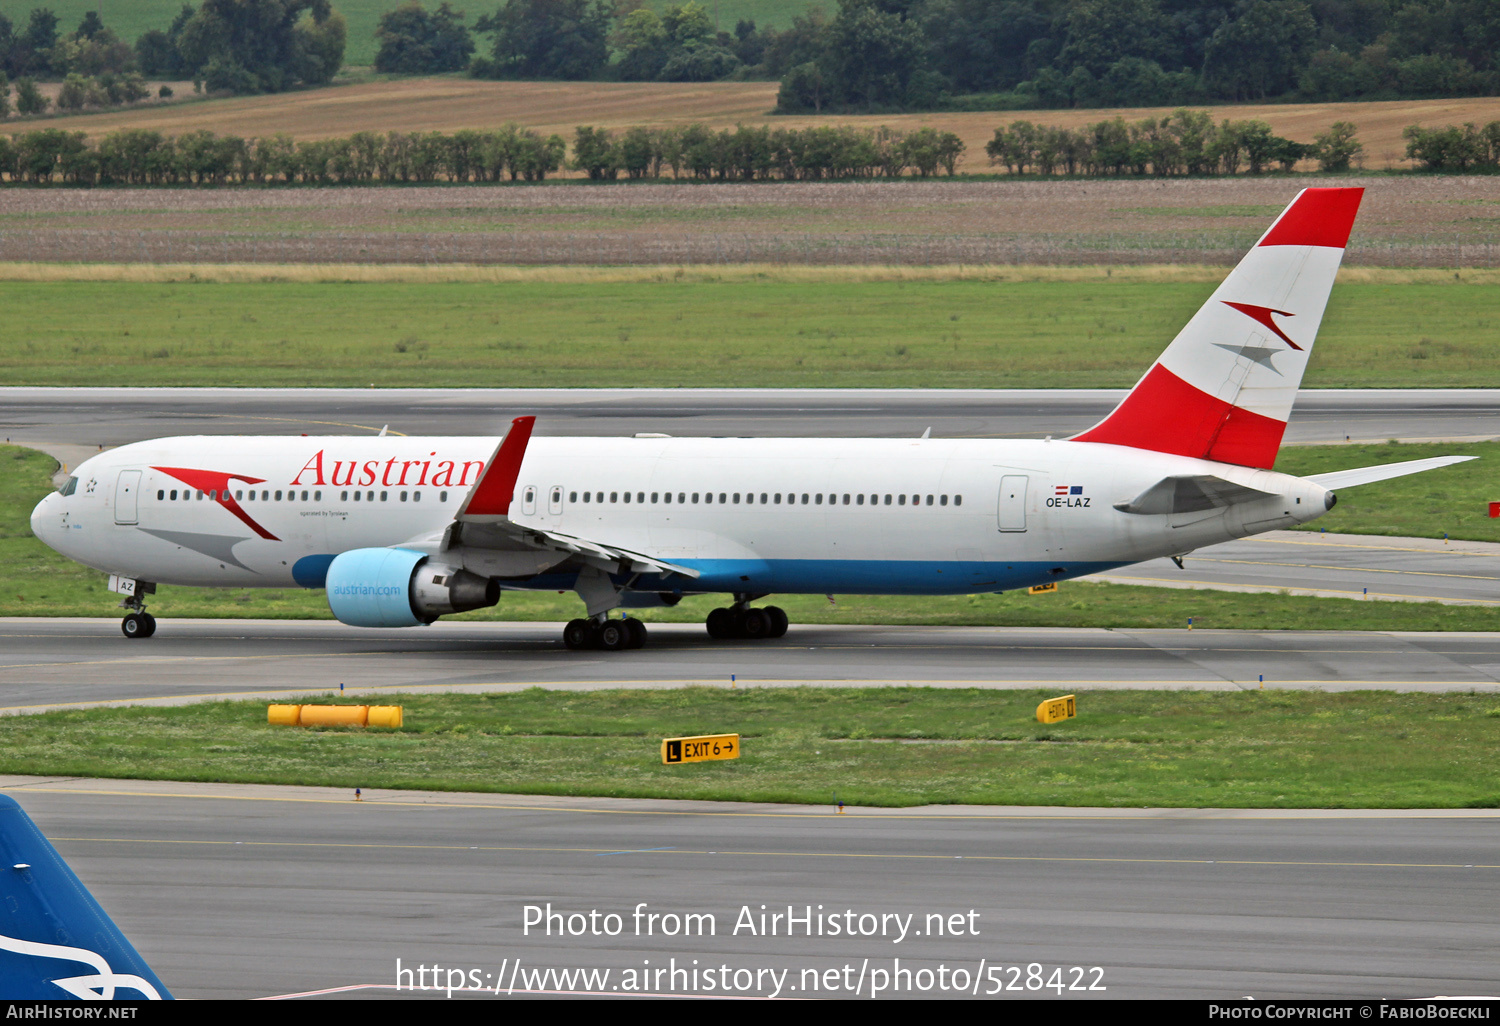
[[128, 19], [866, 746], [701, 328], [35, 581]]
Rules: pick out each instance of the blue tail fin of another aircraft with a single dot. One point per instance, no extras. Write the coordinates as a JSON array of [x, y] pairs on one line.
[[55, 940]]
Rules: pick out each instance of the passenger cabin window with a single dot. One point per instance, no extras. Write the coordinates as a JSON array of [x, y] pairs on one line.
[[528, 500], [554, 500]]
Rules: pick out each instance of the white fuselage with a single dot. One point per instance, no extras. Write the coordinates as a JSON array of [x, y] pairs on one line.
[[751, 515]]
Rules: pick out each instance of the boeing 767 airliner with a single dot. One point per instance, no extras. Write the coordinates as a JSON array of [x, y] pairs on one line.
[[401, 531]]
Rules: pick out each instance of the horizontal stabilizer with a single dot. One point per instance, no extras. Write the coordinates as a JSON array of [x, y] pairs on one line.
[[1190, 494], [1369, 475]]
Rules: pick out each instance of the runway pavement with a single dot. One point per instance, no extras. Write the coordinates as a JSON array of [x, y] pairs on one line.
[[49, 663], [1354, 566], [234, 891], [75, 421]]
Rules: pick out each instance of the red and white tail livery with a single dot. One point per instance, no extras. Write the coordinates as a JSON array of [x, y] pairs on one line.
[[401, 531], [1224, 388]]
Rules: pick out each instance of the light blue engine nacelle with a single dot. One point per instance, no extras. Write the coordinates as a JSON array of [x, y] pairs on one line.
[[401, 588]]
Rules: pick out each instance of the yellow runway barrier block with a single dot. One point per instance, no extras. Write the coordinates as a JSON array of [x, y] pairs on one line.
[[335, 716], [384, 716], [283, 715]]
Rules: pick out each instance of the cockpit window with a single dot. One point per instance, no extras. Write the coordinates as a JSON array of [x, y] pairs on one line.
[[69, 487]]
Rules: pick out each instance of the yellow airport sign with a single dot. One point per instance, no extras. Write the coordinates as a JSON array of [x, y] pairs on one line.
[[702, 748], [1055, 709], [1041, 589]]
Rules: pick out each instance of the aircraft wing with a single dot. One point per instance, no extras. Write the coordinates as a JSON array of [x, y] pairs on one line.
[[57, 942], [1190, 494], [483, 522]]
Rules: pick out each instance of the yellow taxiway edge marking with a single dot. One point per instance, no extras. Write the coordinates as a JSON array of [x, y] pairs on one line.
[[368, 803], [302, 420], [1352, 569], [1388, 548], [795, 854], [1091, 684], [1271, 589]]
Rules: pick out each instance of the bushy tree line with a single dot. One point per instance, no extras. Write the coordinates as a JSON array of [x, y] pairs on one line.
[[144, 157], [754, 153], [1186, 142], [242, 46], [886, 54], [1464, 147]]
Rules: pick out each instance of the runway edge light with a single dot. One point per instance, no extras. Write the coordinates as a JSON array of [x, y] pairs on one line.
[[1054, 710], [700, 748]]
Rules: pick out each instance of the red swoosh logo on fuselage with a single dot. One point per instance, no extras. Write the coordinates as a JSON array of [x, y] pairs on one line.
[[1263, 315], [218, 482]]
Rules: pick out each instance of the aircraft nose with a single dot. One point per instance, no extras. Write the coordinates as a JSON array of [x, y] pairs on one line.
[[44, 519]]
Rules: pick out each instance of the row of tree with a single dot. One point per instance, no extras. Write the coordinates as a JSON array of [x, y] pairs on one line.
[[1464, 147], [144, 157], [1186, 142]]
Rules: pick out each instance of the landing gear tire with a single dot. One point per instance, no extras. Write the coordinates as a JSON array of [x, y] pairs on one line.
[[637, 633], [720, 623], [614, 635], [754, 624], [138, 625], [578, 634]]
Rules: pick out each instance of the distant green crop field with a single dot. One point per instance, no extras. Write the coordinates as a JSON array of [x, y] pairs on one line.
[[129, 18], [732, 329]]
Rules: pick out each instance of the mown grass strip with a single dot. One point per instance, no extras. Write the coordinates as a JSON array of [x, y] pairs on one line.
[[728, 330], [897, 746]]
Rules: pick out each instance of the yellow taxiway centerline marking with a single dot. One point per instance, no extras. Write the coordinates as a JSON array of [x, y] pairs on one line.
[[795, 854], [371, 803]]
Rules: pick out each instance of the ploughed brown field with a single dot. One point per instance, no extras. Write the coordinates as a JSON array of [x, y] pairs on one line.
[[1426, 221], [448, 104]]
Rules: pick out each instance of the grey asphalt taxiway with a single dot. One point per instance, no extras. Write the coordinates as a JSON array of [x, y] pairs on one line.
[[51, 663], [87, 418], [233, 891]]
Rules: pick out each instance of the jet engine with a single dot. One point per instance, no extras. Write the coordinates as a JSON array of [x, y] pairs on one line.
[[402, 588]]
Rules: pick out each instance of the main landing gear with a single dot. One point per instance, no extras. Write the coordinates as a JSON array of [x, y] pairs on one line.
[[740, 621], [604, 635]]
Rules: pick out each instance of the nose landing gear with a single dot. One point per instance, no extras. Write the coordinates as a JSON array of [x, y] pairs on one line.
[[138, 625]]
